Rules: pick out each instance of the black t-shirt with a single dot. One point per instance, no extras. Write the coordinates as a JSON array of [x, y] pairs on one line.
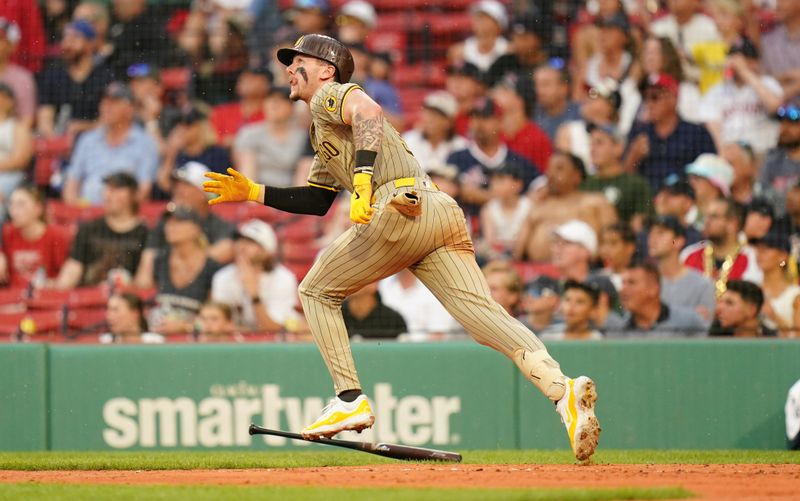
[[216, 158], [381, 323], [99, 249], [140, 40], [214, 228], [183, 302], [58, 89]]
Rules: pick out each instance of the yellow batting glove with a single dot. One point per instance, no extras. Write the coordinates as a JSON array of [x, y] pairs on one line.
[[361, 210], [234, 187]]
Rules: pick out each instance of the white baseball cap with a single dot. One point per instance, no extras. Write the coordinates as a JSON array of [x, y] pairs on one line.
[[361, 10], [443, 102], [261, 233], [714, 168], [493, 9], [193, 173], [578, 232]]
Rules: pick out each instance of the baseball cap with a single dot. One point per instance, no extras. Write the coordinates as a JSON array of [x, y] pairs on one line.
[[82, 27], [660, 81], [261, 233], [608, 89], [493, 9], [142, 70], [774, 240], [714, 168], [183, 213], [543, 286], [361, 10], [485, 107], [610, 130], [616, 20], [578, 232], [532, 23], [676, 185], [118, 90], [321, 5], [467, 70], [193, 173], [744, 47], [762, 206], [193, 114], [443, 102], [121, 180], [589, 288], [11, 30], [669, 222]]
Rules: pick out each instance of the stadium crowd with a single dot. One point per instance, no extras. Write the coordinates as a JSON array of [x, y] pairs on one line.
[[627, 167]]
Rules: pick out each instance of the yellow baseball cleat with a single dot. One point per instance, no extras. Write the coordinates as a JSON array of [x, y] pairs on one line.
[[339, 416], [576, 408]]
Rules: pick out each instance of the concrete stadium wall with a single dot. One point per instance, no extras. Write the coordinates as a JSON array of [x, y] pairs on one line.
[[681, 394]]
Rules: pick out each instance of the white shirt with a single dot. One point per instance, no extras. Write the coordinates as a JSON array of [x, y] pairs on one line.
[[277, 290], [508, 226], [700, 28], [740, 112], [783, 306], [426, 154], [144, 338], [484, 61], [420, 309]]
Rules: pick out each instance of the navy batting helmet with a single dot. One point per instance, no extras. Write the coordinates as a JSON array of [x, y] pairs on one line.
[[322, 47]]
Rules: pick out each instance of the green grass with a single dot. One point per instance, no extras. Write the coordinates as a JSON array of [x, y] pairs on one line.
[[56, 492], [185, 460]]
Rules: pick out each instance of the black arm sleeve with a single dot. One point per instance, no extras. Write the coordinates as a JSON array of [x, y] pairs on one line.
[[300, 199]]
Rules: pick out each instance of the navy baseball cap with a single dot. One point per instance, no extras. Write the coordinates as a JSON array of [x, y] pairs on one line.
[[589, 288], [676, 185], [467, 70], [774, 239], [671, 223], [486, 107], [543, 286], [118, 90]]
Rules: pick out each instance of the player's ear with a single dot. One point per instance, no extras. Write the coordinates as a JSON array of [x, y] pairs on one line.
[[329, 72]]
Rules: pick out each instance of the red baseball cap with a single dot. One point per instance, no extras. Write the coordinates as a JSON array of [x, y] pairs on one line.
[[661, 81]]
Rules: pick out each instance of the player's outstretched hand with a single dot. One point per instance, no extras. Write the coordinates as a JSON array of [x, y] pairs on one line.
[[233, 187]]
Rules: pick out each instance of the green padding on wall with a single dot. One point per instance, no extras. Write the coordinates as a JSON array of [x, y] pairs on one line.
[[23, 373], [682, 394], [129, 397]]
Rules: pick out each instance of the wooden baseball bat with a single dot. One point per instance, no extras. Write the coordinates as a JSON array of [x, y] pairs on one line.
[[394, 451]]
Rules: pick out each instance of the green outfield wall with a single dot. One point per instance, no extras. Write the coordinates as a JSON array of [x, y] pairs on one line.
[[681, 394]]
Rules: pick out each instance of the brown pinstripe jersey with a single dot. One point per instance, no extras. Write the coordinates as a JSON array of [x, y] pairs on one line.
[[332, 140]]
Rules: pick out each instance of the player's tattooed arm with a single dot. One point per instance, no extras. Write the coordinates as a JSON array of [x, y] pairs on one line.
[[367, 132]]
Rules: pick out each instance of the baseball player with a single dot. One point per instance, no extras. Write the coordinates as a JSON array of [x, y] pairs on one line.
[[402, 221]]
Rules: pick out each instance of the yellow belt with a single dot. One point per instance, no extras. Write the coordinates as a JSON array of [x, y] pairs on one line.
[[404, 182]]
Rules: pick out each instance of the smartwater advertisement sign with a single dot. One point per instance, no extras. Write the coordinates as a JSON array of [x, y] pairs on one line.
[[206, 396]]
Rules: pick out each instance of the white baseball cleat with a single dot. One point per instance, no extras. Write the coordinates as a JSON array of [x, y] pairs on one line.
[[339, 416], [576, 408]]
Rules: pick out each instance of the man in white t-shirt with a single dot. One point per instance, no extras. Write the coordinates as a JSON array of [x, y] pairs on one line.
[[487, 44], [435, 138], [425, 317], [261, 291], [740, 108]]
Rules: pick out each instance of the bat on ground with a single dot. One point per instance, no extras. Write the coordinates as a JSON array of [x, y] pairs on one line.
[[393, 451]]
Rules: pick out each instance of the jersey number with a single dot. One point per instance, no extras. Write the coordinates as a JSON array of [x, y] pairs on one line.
[[327, 151]]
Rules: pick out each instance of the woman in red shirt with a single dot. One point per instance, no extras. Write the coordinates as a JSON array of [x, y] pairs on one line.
[[29, 243]]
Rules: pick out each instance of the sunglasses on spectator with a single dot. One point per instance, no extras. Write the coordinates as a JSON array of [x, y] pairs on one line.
[[789, 113]]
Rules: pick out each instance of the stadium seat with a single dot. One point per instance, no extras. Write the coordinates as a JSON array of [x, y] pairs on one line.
[[448, 23], [84, 297], [86, 320], [151, 212], [421, 75], [13, 298], [38, 322], [228, 212]]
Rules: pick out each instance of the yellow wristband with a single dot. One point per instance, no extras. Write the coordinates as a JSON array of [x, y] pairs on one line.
[[254, 192]]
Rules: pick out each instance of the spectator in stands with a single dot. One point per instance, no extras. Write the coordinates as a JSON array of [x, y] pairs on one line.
[[612, 60], [486, 44], [154, 110], [355, 22], [214, 82], [137, 35], [521, 135], [553, 104], [269, 151], [252, 88], [17, 78], [126, 321], [645, 314], [187, 192], [780, 49], [505, 285], [311, 16], [557, 202], [710, 176], [112, 242], [16, 145], [424, 315], [710, 56], [601, 107], [262, 292], [676, 199], [33, 42], [215, 324], [745, 185], [97, 15], [529, 37], [758, 219], [617, 248], [666, 142], [191, 47], [70, 92], [723, 257], [434, 138], [366, 317], [577, 304], [685, 25], [485, 153], [540, 301], [191, 140], [182, 273], [680, 285], [659, 55], [573, 247], [506, 212], [55, 16], [781, 168], [32, 250], [781, 311], [379, 87], [466, 83], [628, 193], [737, 312], [741, 107], [118, 145]]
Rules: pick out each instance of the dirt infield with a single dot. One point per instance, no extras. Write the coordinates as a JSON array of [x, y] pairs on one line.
[[736, 481]]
